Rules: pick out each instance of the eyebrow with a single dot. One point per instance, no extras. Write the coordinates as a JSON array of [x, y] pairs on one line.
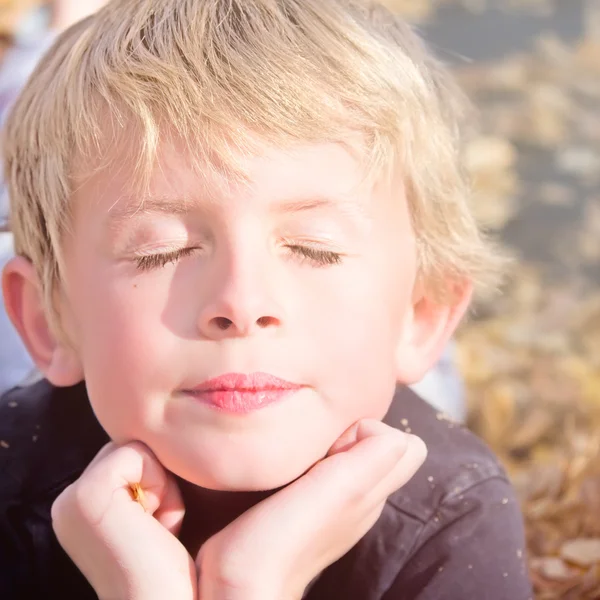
[[126, 207], [182, 205], [339, 204]]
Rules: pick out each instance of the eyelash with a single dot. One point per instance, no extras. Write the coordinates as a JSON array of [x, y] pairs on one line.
[[320, 258], [156, 261]]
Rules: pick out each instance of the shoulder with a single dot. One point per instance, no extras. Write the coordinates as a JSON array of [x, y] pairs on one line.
[[47, 434], [457, 460], [464, 517], [47, 437]]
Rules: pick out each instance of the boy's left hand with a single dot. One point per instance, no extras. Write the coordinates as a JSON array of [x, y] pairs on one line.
[[275, 549]]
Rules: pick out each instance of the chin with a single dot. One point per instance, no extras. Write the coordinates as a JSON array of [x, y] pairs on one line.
[[248, 482], [250, 462], [239, 476]]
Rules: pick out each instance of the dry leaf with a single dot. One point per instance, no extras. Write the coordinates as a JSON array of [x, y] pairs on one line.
[[531, 361], [553, 568], [581, 552]]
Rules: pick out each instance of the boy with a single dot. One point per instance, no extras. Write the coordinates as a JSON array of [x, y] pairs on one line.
[[241, 223]]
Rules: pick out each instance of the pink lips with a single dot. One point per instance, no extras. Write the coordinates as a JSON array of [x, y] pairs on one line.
[[240, 393]]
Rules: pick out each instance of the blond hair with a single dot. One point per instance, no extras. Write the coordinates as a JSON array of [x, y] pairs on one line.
[[218, 73]]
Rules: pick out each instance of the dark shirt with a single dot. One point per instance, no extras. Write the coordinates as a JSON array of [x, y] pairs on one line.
[[454, 532]]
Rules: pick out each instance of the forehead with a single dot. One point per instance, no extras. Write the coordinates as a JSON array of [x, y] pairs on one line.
[[335, 170]]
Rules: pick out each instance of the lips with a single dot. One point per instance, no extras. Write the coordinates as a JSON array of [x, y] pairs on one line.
[[240, 393]]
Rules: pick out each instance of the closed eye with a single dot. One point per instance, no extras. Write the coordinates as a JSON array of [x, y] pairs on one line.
[[149, 262], [317, 256]]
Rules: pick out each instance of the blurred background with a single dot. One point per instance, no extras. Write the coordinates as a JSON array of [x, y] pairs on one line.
[[530, 360]]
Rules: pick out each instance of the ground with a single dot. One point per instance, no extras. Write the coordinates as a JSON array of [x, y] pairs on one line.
[[531, 358]]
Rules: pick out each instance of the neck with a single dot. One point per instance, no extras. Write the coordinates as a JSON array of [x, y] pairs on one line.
[[208, 511]]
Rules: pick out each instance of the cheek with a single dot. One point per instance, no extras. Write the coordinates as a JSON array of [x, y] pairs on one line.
[[361, 308], [118, 319], [121, 341], [354, 324]]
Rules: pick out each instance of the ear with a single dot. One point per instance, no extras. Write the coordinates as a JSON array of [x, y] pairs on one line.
[[24, 304], [428, 328]]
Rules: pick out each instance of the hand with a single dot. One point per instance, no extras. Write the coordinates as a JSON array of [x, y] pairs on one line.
[[126, 550], [275, 549]]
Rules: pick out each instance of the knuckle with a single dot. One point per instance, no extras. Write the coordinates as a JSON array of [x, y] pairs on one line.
[[418, 448], [63, 510], [349, 481], [398, 443], [57, 510], [338, 473], [409, 464], [132, 452], [80, 502]]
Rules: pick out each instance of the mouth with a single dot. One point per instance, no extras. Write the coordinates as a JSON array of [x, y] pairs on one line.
[[239, 393]]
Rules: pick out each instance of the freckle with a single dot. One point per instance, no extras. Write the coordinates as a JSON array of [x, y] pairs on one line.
[[404, 422], [12, 404], [504, 500], [135, 285], [4, 444], [430, 479]]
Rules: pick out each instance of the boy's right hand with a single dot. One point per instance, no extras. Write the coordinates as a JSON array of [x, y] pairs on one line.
[[124, 551]]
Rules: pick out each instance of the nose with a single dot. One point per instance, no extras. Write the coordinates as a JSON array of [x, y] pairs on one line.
[[241, 302]]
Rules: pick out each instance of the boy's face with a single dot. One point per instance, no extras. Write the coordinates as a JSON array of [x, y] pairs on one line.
[[305, 273]]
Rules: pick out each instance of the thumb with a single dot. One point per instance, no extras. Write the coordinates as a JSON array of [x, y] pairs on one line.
[[359, 431]]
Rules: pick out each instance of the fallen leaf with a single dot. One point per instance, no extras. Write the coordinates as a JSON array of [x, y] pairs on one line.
[[581, 552], [553, 568]]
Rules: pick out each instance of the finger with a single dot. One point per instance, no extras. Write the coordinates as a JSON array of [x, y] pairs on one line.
[[99, 524], [171, 511], [357, 432], [113, 477], [403, 471], [104, 452], [382, 464], [374, 453], [346, 477], [381, 461], [135, 541]]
